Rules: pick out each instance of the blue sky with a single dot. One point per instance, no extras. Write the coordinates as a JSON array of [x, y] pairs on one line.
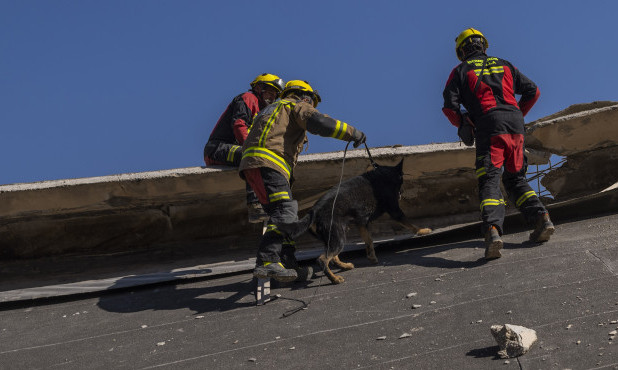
[[93, 88]]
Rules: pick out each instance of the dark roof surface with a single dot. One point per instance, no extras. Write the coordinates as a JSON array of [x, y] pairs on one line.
[[566, 290]]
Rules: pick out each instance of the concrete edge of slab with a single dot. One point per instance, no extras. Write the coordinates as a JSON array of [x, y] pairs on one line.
[[603, 202]]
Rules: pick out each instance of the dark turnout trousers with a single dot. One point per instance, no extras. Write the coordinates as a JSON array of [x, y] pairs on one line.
[[273, 190], [501, 156]]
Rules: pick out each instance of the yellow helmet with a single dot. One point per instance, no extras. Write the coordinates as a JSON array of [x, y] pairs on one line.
[[300, 85], [463, 36], [269, 79]]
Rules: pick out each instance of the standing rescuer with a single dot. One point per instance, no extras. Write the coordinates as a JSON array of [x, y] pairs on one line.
[[486, 87], [270, 152], [224, 146]]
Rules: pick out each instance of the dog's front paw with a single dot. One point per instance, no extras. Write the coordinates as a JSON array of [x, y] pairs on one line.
[[337, 279], [373, 260], [424, 231]]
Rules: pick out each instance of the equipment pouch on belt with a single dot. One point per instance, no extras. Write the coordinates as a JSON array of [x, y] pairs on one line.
[[466, 130]]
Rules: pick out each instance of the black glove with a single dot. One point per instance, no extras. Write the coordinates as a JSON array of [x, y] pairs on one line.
[[359, 138], [466, 130]]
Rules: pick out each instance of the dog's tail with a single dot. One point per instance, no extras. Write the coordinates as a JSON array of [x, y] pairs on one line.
[[298, 228]]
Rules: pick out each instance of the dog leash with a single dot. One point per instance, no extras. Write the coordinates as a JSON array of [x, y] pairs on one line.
[[373, 163], [332, 213], [305, 305]]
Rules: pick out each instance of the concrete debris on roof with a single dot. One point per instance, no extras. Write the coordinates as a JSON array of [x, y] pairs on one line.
[[514, 340]]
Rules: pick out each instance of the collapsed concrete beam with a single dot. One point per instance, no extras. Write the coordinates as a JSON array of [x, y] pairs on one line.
[[175, 207], [579, 128], [583, 173]]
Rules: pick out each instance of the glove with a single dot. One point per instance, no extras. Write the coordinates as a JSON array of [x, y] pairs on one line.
[[358, 138], [466, 130]]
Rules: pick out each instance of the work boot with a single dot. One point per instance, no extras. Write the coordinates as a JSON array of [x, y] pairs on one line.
[[256, 213], [493, 244], [305, 273], [543, 230], [274, 270]]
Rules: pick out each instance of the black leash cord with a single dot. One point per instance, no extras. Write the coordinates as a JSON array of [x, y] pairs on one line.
[[332, 213], [373, 163], [305, 305]]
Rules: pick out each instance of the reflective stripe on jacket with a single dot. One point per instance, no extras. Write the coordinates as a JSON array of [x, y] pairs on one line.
[[496, 90], [278, 134]]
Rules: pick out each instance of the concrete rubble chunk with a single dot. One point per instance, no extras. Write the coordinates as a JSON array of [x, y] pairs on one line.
[[514, 340]]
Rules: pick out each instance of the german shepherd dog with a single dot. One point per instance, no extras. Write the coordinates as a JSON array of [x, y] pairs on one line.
[[359, 201]]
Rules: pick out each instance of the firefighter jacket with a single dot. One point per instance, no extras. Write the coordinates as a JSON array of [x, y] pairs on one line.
[[495, 92], [232, 126], [278, 134]]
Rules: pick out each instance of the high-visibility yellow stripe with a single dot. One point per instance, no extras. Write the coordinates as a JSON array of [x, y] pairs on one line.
[[271, 120], [232, 153], [268, 263], [524, 197], [480, 172], [343, 131], [340, 129], [488, 71], [269, 124], [337, 128], [279, 196], [273, 228], [492, 202], [255, 151]]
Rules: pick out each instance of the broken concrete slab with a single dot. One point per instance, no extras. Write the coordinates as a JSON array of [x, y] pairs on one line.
[[514, 340], [144, 210], [583, 173], [169, 209], [579, 128]]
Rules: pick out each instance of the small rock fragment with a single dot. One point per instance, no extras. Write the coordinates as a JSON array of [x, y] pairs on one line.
[[578, 342], [614, 322], [509, 312], [381, 338], [199, 317], [252, 359], [432, 302], [514, 340], [438, 279], [415, 306], [405, 335], [144, 326], [292, 348], [569, 326], [161, 344], [236, 341], [410, 295]]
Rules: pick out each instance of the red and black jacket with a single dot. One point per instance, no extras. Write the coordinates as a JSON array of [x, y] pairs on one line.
[[496, 91], [232, 126]]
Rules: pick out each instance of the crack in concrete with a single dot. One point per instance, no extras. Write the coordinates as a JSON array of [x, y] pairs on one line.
[[603, 262]]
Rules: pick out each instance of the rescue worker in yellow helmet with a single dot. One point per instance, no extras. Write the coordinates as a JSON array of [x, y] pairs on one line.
[[226, 139], [270, 153], [486, 87]]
